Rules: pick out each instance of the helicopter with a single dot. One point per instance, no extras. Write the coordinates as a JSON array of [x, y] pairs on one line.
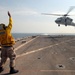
[[64, 19]]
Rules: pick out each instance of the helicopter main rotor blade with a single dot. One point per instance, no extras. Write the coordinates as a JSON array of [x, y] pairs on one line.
[[71, 8], [57, 14], [52, 14]]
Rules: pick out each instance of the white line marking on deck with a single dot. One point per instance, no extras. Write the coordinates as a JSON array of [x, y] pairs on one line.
[[57, 70], [40, 49], [50, 70], [25, 44]]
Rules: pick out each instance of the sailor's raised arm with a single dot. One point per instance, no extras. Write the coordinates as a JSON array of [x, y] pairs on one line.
[[10, 20], [9, 14]]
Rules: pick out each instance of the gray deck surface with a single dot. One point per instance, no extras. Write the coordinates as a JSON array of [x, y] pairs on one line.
[[45, 55]]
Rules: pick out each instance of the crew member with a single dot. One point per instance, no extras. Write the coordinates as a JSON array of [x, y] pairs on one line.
[[7, 41]]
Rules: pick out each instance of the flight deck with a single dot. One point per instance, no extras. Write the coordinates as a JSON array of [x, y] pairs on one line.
[[44, 55]]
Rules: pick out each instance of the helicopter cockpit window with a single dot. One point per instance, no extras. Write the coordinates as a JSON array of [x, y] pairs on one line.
[[59, 19]]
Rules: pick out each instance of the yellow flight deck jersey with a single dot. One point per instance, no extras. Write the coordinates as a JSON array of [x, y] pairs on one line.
[[7, 39]]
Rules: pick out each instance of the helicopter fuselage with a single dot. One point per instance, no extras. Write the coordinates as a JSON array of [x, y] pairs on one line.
[[64, 21]]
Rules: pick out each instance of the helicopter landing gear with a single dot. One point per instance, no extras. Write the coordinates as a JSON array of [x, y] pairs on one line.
[[65, 24], [58, 24]]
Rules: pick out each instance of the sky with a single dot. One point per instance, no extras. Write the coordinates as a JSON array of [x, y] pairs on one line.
[[27, 18]]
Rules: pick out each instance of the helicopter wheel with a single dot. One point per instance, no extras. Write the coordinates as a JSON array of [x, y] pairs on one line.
[[65, 24], [58, 24]]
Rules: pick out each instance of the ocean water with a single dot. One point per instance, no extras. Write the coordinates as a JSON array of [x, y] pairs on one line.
[[21, 35]]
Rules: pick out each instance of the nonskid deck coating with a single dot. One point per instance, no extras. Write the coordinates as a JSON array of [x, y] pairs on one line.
[[46, 55]]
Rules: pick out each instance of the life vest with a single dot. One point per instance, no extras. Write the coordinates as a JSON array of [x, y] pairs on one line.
[[6, 38]]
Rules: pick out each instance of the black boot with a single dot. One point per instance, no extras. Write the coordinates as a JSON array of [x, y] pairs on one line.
[[12, 70], [1, 69]]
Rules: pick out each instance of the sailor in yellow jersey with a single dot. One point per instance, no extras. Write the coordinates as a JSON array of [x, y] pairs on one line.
[[7, 41]]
